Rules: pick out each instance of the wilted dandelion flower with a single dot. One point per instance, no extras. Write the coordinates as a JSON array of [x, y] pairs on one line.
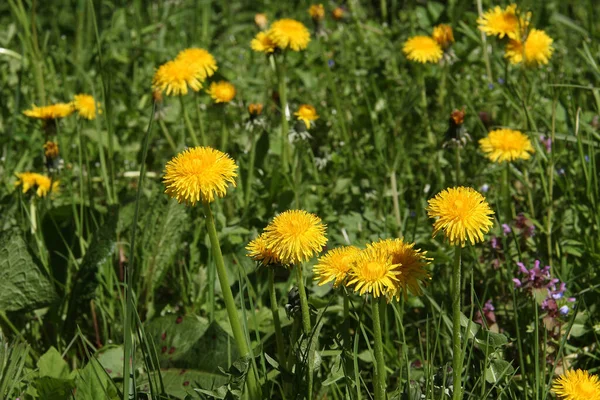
[[499, 22], [317, 12], [198, 174], [295, 236], [258, 251], [307, 114], [255, 109], [409, 263], [423, 49], [221, 92], [337, 13], [51, 149], [334, 265], [289, 33], [443, 35], [577, 385], [85, 106], [462, 214], [261, 20], [54, 111], [373, 272], [506, 145], [41, 183], [174, 77], [262, 43], [200, 60]]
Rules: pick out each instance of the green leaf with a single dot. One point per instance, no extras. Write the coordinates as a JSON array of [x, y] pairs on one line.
[[497, 370], [24, 284], [54, 381], [94, 384], [52, 364], [181, 382], [111, 359]]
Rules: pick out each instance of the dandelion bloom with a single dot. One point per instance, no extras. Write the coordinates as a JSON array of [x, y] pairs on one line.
[[200, 60], [221, 92], [295, 236], [577, 385], [262, 43], [443, 35], [258, 251], [41, 183], [317, 12], [409, 263], [373, 272], [307, 114], [506, 145], [334, 265], [51, 149], [255, 109], [174, 77], [261, 20], [538, 47], [462, 214], [337, 13], [499, 22], [54, 111], [423, 49], [85, 106], [289, 33], [198, 174]]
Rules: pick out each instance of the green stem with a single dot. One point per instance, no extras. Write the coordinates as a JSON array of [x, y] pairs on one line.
[[224, 130], [457, 164], [276, 322], [430, 136], [200, 120], [280, 65], [250, 172], [303, 299], [395, 201], [486, 56], [234, 319], [188, 123], [506, 196], [379, 360], [457, 356], [167, 135]]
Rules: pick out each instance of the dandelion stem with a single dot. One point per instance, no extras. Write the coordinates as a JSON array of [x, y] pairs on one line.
[[395, 201], [167, 135], [506, 182], [280, 65], [457, 357], [379, 360], [486, 56], [200, 120], [188, 123], [303, 299], [224, 130], [232, 313], [276, 322], [457, 164], [250, 172]]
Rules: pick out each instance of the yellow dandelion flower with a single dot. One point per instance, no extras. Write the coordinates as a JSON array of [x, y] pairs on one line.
[[506, 145], [198, 174], [499, 22], [443, 35], [423, 49], [307, 114], [462, 214], [174, 77], [261, 20], [26, 180], [221, 92], [577, 385], [255, 109], [51, 149], [200, 60], [514, 51], [288, 33], [262, 43], [86, 106], [54, 111], [538, 47], [337, 13], [334, 265], [373, 272], [410, 263], [317, 12], [258, 251], [41, 183], [295, 236]]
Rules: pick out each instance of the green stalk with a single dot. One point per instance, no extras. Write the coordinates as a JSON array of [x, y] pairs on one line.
[[430, 135], [224, 130], [303, 299], [280, 65], [188, 123], [250, 172], [276, 322], [200, 120], [457, 356], [550, 185], [379, 360], [395, 201], [506, 195], [206, 9], [167, 135], [234, 319], [486, 56], [457, 164]]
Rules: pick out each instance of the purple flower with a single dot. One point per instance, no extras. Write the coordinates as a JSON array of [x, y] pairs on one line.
[[564, 310], [547, 142], [506, 229], [484, 188], [535, 278], [488, 312]]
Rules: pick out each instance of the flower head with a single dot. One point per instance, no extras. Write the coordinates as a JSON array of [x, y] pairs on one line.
[[458, 116], [443, 35], [41, 183], [263, 43], [295, 236], [86, 106], [200, 61], [373, 272], [174, 77], [54, 111], [462, 214], [255, 109], [538, 47], [577, 385], [261, 20], [51, 150], [258, 251], [288, 33], [221, 92], [317, 12], [506, 145], [423, 49], [337, 13], [499, 22], [334, 265], [409, 263], [198, 174], [307, 114]]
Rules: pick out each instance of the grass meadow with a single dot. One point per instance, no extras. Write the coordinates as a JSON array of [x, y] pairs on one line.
[[284, 200]]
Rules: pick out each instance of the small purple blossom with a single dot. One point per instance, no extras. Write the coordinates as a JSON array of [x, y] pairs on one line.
[[547, 142], [506, 229], [488, 313], [490, 86], [535, 278], [564, 310], [526, 227], [484, 188], [331, 63], [501, 81]]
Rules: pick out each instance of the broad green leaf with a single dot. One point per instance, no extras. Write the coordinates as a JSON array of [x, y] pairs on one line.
[[181, 382], [497, 370], [111, 359], [94, 384]]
